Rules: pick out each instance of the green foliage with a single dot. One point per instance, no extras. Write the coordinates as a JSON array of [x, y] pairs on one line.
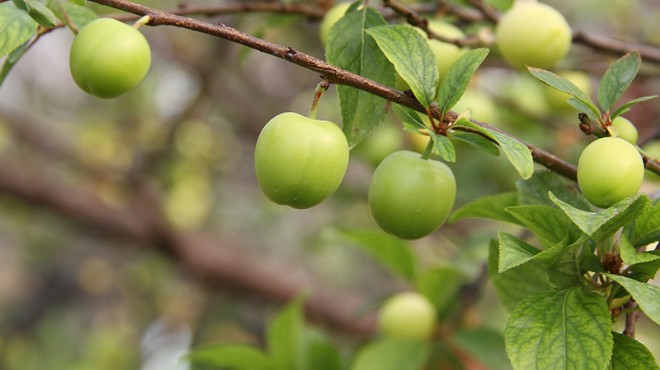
[[351, 48], [412, 58], [646, 295], [17, 27], [617, 79], [629, 354], [486, 345], [491, 207], [458, 77], [392, 354], [232, 356], [569, 329]]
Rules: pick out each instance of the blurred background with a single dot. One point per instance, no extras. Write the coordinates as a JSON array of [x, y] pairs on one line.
[[116, 214]]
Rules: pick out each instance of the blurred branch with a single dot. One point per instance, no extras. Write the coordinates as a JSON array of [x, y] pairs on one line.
[[207, 257], [333, 74], [616, 46]]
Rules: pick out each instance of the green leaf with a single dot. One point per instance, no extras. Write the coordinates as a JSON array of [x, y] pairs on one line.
[[16, 27], [567, 330], [285, 338], [235, 357], [412, 58], [535, 190], [646, 270], [351, 48], [606, 222], [12, 59], [77, 2], [40, 13], [548, 223], [440, 285], [564, 85], [320, 354], [410, 118], [517, 283], [476, 141], [484, 344], [630, 256], [565, 271], [444, 148], [646, 228], [491, 207], [516, 152], [78, 14], [583, 108], [389, 250], [458, 77], [514, 252], [646, 295], [392, 354], [623, 108], [617, 79], [629, 354]]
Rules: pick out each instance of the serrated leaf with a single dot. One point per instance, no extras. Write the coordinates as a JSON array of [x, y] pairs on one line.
[[623, 108], [390, 251], [78, 14], [547, 223], [458, 77], [629, 354], [617, 79], [565, 271], [412, 58], [567, 330], [440, 285], [285, 337], [40, 13], [646, 227], [392, 354], [410, 118], [606, 222], [535, 190], [646, 295], [565, 85], [233, 356], [646, 270], [517, 283], [491, 207], [514, 252], [444, 148], [516, 152], [351, 48], [16, 27], [630, 256], [485, 344], [476, 141]]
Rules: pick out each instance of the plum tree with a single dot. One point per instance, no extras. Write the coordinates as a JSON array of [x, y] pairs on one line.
[[300, 161], [610, 169], [533, 34], [407, 315], [410, 197], [109, 58]]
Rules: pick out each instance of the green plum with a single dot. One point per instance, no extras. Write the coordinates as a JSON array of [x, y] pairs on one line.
[[609, 170], [533, 34], [411, 197], [109, 58], [408, 315], [625, 129], [300, 161]]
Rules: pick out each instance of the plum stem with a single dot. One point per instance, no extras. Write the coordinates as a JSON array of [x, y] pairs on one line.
[[320, 89], [141, 22]]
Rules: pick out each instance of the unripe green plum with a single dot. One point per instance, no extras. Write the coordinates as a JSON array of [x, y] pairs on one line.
[[625, 129], [609, 170], [533, 34], [411, 197], [330, 18], [109, 58], [407, 315], [557, 99], [300, 161]]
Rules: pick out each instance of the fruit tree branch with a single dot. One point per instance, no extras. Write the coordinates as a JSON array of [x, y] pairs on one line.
[[333, 74]]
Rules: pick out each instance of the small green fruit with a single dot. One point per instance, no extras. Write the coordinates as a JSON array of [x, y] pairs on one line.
[[533, 34], [624, 129], [407, 315], [109, 58], [411, 197], [300, 161], [609, 170], [330, 18]]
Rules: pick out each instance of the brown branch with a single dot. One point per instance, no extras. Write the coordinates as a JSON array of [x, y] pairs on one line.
[[631, 318], [333, 74], [616, 46]]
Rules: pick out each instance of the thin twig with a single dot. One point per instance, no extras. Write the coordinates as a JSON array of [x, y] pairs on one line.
[[631, 318]]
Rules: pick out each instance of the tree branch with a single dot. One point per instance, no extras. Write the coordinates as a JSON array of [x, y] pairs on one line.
[[333, 74]]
